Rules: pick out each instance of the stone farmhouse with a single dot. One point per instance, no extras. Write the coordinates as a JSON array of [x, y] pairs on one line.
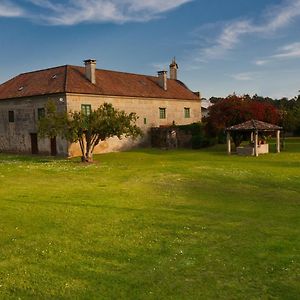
[[157, 100]]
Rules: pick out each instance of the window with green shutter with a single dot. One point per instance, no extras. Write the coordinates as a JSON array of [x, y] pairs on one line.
[[41, 113], [187, 112], [86, 109], [162, 113]]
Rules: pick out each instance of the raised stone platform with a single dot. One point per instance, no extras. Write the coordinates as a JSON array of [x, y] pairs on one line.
[[249, 150]]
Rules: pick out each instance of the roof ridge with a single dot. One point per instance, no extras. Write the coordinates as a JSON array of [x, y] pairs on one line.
[[115, 71], [9, 80], [40, 70]]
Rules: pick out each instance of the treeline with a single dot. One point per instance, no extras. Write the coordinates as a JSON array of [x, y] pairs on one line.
[[284, 112]]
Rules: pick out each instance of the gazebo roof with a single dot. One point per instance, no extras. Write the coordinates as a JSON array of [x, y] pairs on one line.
[[254, 125]]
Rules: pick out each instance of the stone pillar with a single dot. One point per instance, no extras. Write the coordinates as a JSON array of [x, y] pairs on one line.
[[278, 141], [256, 143], [228, 143]]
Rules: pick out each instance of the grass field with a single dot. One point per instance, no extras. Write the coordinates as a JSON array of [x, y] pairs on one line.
[[151, 224]]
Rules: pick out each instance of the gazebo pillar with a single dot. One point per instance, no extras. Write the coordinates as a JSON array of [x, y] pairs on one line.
[[251, 137], [278, 141], [256, 143], [228, 143]]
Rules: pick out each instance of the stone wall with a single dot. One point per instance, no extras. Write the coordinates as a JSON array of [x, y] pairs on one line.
[[146, 108], [16, 136]]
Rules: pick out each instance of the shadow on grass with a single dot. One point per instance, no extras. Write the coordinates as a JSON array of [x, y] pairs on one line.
[[29, 158], [216, 149], [292, 145]]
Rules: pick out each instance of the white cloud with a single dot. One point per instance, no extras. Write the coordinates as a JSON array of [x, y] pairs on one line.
[[243, 76], [154, 5], [228, 39], [289, 51], [261, 62], [273, 20], [8, 9], [117, 11], [282, 15]]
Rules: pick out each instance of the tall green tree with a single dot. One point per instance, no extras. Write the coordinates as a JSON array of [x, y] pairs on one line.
[[88, 129]]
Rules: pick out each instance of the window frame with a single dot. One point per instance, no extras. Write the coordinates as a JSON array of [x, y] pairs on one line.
[[84, 110], [11, 116], [187, 112], [41, 113], [162, 113]]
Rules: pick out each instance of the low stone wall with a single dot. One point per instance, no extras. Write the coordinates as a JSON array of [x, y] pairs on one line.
[[249, 150]]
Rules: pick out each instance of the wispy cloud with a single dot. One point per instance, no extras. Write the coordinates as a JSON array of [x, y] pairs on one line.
[[274, 19], [261, 62], [247, 76], [71, 12], [8, 9], [289, 51]]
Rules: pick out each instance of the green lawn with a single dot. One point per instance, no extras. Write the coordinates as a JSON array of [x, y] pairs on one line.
[[151, 224]]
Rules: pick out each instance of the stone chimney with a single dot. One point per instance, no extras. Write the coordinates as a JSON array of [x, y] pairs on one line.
[[173, 69], [162, 79], [197, 94], [90, 70]]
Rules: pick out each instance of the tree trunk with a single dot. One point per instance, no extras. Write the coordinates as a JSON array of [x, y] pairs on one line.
[[86, 149], [87, 158]]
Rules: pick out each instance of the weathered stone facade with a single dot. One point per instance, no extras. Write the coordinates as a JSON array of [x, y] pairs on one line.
[[19, 134], [147, 110]]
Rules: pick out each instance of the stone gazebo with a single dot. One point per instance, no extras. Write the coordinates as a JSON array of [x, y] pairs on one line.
[[253, 127]]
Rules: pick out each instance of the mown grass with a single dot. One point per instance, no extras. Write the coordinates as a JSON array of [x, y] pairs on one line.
[[151, 224]]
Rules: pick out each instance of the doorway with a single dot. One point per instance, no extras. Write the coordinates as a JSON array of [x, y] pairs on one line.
[[53, 146], [34, 143]]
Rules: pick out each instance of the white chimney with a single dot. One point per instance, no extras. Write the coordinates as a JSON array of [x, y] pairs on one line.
[[173, 69], [90, 70], [162, 79]]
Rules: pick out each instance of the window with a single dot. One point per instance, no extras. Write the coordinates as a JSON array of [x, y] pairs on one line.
[[86, 109], [162, 113], [145, 121], [11, 116], [187, 112], [41, 113]]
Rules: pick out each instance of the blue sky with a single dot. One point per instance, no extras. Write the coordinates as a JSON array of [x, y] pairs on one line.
[[221, 46]]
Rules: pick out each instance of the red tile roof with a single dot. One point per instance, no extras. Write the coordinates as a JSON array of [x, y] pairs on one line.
[[71, 79], [252, 125]]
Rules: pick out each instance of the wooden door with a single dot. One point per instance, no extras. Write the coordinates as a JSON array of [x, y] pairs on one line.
[[53, 146], [34, 143]]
